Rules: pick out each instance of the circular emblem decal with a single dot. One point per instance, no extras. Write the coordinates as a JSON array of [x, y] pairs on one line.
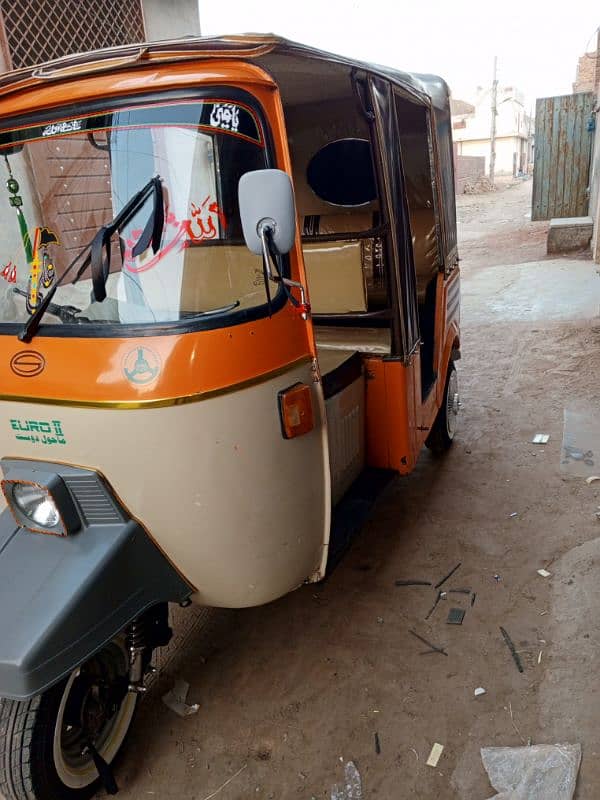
[[27, 363], [141, 366]]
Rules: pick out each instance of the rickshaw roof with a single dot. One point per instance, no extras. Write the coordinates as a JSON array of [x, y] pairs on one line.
[[266, 49]]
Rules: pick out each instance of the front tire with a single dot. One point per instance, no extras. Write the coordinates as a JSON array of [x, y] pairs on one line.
[[43, 740], [442, 433]]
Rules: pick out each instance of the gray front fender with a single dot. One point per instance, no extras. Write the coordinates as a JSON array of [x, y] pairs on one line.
[[63, 598]]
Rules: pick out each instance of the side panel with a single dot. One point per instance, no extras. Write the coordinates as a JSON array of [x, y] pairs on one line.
[[237, 508], [447, 335], [397, 422], [390, 414]]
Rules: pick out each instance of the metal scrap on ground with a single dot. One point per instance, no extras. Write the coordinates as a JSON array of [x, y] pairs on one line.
[[432, 647], [449, 575], [434, 606], [512, 648], [455, 616], [413, 583]]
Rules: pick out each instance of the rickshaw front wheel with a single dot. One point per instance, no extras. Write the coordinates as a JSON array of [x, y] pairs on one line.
[[443, 429], [45, 741]]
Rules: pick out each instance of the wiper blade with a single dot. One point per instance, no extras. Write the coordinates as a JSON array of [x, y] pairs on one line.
[[128, 211], [152, 234]]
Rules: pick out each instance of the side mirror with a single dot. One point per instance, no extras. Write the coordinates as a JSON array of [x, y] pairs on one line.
[[266, 198]]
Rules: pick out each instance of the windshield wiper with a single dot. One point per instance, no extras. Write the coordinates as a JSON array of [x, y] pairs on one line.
[[151, 234]]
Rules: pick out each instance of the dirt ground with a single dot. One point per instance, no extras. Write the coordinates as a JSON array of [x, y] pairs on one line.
[[298, 687]]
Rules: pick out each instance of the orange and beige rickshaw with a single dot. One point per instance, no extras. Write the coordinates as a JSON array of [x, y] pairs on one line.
[[228, 287]]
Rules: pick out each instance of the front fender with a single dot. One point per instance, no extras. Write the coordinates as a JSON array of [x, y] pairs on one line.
[[63, 598]]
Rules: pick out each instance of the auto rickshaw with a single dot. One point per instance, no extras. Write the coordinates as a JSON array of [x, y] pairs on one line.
[[228, 286]]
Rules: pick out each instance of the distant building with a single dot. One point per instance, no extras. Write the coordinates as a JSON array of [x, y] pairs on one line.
[[585, 80], [471, 130]]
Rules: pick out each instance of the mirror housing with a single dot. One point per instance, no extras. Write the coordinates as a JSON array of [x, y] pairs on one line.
[[266, 197]]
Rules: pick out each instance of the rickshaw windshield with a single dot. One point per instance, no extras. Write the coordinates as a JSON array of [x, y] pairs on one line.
[[67, 177]]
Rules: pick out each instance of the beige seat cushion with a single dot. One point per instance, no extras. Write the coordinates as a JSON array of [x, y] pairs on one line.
[[377, 341]]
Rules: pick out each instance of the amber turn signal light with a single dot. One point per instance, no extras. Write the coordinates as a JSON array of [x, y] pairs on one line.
[[296, 411]]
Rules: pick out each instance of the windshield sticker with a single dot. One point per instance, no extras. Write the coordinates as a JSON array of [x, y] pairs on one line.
[[41, 268], [141, 365], [9, 272], [225, 116], [178, 234], [55, 128], [234, 119], [174, 234], [38, 431], [202, 226]]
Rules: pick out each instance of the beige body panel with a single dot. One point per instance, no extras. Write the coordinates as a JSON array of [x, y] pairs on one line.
[[243, 513]]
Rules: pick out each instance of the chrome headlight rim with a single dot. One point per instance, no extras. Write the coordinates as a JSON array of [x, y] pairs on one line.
[[59, 517]]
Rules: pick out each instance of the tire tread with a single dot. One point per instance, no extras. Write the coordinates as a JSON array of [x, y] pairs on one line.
[[17, 720]]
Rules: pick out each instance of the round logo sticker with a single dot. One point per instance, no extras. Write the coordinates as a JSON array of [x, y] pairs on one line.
[[141, 366], [27, 363]]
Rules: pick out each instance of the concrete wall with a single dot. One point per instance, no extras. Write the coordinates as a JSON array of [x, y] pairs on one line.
[[467, 168], [170, 19], [505, 147]]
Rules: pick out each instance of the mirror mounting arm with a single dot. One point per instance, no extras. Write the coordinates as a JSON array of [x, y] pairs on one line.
[[265, 230]]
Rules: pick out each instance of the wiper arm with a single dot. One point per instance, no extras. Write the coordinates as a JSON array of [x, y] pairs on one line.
[[155, 224], [152, 234]]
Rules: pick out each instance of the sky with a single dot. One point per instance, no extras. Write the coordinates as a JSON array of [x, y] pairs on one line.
[[537, 42]]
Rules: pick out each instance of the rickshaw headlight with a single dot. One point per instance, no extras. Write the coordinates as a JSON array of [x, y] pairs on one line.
[[43, 505], [36, 503]]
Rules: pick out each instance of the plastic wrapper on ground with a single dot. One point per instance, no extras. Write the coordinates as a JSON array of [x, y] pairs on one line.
[[351, 789], [540, 772]]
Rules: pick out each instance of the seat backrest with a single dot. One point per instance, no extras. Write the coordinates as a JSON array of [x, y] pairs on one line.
[[335, 268]]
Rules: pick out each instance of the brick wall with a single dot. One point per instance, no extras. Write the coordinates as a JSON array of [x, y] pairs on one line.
[[467, 168], [586, 73]]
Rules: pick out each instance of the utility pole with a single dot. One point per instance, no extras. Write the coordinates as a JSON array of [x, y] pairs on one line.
[[493, 128]]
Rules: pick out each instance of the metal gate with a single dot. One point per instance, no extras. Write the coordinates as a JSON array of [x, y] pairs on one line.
[[563, 147]]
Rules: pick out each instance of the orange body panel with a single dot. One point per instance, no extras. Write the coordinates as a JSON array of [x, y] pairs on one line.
[[387, 430], [398, 421], [93, 370]]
